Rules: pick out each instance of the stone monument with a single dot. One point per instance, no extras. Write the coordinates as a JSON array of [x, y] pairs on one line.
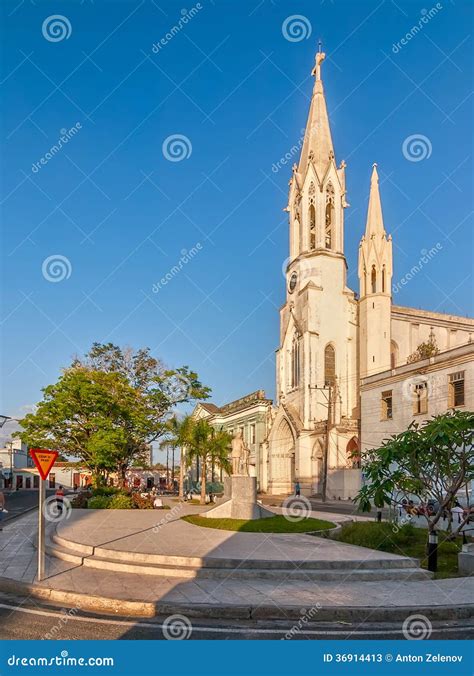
[[242, 491]]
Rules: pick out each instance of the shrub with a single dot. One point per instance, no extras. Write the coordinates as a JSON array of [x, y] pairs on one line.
[[106, 490], [142, 503], [120, 501], [79, 501], [99, 502]]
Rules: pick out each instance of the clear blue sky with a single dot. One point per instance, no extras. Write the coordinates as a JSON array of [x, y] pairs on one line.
[[239, 91]]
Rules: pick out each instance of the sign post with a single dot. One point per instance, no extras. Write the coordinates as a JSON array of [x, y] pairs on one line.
[[44, 461]]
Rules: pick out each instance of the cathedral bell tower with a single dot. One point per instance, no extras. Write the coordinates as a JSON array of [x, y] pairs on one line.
[[375, 278]]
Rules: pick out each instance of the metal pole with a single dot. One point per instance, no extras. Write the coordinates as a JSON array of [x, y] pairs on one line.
[[41, 530], [326, 449], [11, 464], [433, 552]]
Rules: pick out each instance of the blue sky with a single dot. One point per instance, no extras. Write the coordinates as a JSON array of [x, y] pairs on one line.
[[121, 213]]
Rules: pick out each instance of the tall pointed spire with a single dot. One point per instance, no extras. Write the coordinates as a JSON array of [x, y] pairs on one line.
[[317, 144], [374, 225]]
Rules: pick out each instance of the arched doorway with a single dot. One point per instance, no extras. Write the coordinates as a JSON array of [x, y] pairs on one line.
[[353, 454], [317, 466], [282, 459]]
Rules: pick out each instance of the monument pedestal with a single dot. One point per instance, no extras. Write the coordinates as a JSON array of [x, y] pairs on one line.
[[242, 503]]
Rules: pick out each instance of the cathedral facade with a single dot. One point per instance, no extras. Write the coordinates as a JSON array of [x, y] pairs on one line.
[[330, 337]]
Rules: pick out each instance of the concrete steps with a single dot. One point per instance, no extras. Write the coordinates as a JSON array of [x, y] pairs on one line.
[[102, 558]]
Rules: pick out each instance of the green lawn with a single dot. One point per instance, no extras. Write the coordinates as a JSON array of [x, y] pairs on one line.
[[273, 524], [407, 541]]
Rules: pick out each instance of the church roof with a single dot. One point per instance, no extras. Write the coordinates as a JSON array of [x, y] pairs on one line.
[[317, 143]]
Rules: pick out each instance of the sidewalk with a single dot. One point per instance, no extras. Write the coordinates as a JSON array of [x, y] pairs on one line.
[[132, 594]]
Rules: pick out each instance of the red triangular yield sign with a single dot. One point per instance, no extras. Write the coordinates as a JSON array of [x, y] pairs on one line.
[[44, 460]]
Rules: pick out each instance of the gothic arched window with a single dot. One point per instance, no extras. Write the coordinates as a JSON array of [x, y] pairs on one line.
[[373, 279], [329, 216], [383, 279], [312, 227], [295, 363], [329, 365], [393, 354]]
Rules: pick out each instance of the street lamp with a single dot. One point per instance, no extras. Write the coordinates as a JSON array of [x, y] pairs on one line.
[[4, 419]]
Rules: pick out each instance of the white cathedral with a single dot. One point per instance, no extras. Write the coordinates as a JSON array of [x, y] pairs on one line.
[[333, 341]]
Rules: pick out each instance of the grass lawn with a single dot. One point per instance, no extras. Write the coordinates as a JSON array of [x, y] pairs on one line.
[[273, 524], [407, 541]]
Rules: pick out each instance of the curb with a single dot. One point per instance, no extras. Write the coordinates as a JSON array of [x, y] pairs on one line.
[[123, 607]]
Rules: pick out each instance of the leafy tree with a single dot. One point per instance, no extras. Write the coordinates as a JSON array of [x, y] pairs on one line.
[[434, 459], [427, 349], [108, 407]]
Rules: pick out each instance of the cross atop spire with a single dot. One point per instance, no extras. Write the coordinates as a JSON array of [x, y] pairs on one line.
[[320, 56]]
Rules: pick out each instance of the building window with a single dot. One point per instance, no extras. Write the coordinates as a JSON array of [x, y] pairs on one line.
[[295, 363], [387, 406], [242, 430], [393, 354], [52, 480], [252, 434], [420, 398], [329, 216], [329, 366], [456, 389], [373, 279], [312, 227], [383, 279]]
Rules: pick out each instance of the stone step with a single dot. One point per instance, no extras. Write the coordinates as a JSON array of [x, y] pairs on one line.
[[250, 573], [139, 558]]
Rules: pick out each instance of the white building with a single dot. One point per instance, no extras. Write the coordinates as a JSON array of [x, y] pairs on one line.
[[330, 338]]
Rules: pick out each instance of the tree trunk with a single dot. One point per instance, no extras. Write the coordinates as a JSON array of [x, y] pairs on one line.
[[203, 481], [181, 473]]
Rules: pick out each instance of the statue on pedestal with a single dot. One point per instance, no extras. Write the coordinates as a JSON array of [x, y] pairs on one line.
[[240, 455]]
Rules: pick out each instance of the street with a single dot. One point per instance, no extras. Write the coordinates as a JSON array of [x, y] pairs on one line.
[[24, 619], [19, 502]]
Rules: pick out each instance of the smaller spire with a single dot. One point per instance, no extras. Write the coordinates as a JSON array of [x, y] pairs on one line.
[[374, 224]]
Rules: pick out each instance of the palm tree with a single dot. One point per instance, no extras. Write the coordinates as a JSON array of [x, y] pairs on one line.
[[208, 445], [178, 436]]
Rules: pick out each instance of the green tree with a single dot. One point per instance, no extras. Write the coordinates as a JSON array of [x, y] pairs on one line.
[[428, 348], [434, 459], [108, 407]]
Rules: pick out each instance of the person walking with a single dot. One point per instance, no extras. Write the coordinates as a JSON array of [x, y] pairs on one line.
[[60, 500], [2, 508], [297, 489]]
